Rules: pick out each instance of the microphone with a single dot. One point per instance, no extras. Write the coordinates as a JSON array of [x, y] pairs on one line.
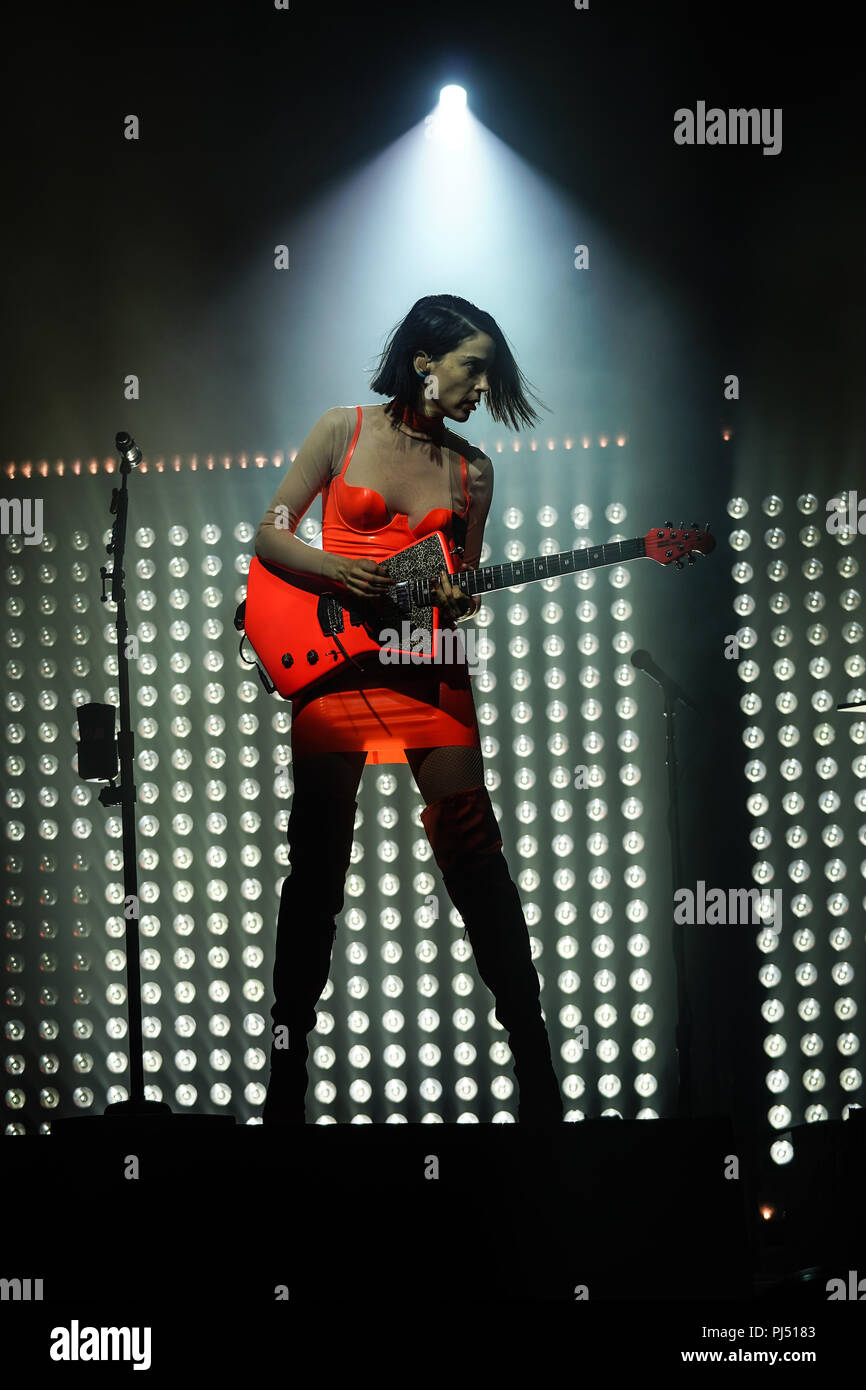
[[128, 448], [644, 662]]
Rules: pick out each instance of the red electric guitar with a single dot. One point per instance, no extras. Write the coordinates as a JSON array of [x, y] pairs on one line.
[[300, 635]]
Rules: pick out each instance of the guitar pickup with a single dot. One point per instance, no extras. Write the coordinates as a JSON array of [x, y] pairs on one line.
[[400, 595], [330, 614]]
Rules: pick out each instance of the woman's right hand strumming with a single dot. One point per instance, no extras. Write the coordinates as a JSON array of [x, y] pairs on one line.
[[363, 578]]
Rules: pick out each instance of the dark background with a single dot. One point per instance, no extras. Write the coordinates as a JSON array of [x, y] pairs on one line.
[[114, 251]]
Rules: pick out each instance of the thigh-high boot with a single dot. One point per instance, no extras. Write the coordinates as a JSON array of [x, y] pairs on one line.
[[312, 896], [464, 834]]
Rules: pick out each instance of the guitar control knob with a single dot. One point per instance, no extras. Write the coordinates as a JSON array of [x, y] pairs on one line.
[[312, 657], [287, 659]]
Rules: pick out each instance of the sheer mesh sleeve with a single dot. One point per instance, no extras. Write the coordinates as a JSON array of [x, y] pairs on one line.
[[480, 498], [303, 480]]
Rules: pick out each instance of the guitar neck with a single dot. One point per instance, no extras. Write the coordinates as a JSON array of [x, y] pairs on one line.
[[489, 577]]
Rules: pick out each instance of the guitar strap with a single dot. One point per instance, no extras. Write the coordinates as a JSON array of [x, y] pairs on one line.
[[458, 523], [458, 528]]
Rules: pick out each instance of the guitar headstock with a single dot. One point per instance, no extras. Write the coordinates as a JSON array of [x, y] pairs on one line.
[[671, 545]]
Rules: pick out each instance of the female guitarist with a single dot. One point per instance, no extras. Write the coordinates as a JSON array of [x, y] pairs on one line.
[[391, 474]]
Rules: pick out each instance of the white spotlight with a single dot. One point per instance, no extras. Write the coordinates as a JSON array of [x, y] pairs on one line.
[[452, 99], [448, 123]]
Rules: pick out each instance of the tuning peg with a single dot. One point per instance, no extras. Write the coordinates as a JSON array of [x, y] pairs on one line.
[[694, 525], [669, 524], [691, 557], [679, 564]]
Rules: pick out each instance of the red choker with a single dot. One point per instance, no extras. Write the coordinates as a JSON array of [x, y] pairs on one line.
[[407, 415]]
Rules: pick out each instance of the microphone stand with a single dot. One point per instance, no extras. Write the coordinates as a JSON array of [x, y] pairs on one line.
[[98, 758], [136, 1107], [98, 761]]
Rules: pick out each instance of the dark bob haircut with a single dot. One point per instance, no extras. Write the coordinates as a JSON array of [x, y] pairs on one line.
[[437, 324]]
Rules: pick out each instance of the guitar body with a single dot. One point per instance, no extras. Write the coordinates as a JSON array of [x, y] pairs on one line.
[[302, 633], [301, 630]]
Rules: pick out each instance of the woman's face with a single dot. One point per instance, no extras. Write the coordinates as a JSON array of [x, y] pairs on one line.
[[457, 382]]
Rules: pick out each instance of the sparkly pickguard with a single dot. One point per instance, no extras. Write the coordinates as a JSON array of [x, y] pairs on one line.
[[421, 561], [300, 631]]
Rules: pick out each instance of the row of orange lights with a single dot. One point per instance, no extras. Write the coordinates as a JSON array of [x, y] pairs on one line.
[[110, 465]]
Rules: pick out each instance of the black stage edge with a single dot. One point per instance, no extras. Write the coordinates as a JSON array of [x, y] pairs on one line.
[[247, 1241], [602, 1209]]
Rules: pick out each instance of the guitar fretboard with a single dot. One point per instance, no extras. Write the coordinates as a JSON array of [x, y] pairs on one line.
[[490, 577]]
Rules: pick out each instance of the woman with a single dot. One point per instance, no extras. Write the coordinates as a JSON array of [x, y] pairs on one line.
[[390, 475]]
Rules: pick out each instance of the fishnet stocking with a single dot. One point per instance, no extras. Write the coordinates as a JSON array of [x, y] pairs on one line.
[[442, 771]]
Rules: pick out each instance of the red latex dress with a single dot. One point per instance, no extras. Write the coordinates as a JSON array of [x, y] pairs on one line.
[[386, 709]]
